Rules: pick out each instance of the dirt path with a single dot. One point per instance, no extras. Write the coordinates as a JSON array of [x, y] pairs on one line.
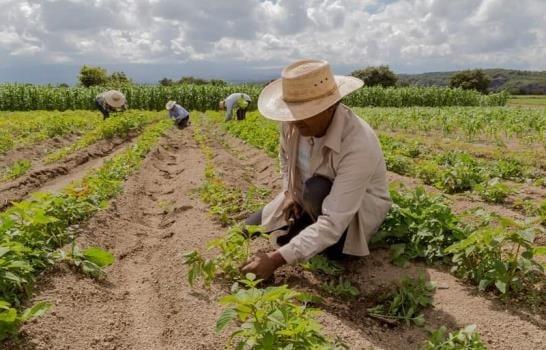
[[145, 302], [55, 176]]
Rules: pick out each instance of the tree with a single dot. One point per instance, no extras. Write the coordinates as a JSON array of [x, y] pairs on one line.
[[471, 80], [166, 82], [91, 76], [372, 76], [119, 78]]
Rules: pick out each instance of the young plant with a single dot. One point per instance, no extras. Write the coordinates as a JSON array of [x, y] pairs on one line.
[[17, 169], [11, 320], [418, 226], [406, 302], [319, 263], [90, 261], [464, 339], [500, 257], [341, 288], [234, 250], [493, 191], [271, 318]]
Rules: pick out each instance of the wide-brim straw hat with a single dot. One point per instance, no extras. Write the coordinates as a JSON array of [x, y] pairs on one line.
[[306, 88], [114, 98], [170, 105]]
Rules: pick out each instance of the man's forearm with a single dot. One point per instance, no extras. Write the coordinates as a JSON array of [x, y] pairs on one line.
[[277, 259]]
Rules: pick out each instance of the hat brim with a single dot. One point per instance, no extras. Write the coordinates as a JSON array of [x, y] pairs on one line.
[[272, 106], [113, 103]]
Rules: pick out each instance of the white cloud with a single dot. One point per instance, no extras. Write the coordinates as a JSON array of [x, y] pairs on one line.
[[417, 35]]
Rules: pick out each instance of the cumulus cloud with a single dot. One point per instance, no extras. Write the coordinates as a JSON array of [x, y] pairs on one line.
[[250, 35]]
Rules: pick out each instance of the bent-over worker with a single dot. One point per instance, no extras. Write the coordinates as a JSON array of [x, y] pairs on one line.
[[178, 113], [335, 193], [110, 101], [235, 102]]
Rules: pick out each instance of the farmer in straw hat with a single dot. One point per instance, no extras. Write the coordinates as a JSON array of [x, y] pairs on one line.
[[178, 113], [235, 102], [110, 101], [334, 195]]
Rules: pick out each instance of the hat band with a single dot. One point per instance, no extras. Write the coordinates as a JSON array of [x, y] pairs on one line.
[[329, 92]]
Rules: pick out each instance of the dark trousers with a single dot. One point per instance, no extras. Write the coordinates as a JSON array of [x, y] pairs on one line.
[[241, 113], [315, 191], [182, 123], [105, 112]]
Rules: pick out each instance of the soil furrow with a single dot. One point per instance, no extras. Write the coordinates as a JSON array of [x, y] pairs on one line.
[[56, 176]]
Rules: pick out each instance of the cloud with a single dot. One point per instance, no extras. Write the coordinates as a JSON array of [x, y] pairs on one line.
[[249, 36]]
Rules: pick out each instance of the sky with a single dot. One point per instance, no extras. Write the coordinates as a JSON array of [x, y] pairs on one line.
[[48, 41]]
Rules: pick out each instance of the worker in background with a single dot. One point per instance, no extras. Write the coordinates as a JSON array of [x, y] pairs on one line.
[[178, 113], [110, 101], [235, 102]]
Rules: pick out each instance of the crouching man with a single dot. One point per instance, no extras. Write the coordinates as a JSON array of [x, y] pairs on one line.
[[335, 193]]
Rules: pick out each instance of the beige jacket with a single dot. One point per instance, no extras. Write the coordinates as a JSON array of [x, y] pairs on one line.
[[351, 157]]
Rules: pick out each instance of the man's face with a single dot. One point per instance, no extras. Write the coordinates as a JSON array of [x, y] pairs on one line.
[[315, 125]]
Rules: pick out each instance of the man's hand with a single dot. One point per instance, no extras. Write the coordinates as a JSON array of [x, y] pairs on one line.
[[263, 265], [290, 208]]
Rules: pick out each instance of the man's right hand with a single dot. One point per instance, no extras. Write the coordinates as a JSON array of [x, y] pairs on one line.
[[290, 208]]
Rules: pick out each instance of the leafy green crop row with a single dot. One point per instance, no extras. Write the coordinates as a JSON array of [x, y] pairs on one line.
[[120, 125], [32, 231], [19, 97], [24, 128]]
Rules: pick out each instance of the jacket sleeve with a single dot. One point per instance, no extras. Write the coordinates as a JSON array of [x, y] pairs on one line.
[[354, 173], [283, 159]]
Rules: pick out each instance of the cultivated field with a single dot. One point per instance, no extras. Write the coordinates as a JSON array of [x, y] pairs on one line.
[[126, 234]]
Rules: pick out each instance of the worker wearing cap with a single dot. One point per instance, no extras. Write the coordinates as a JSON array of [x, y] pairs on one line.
[[110, 101], [178, 113], [235, 102], [335, 193]]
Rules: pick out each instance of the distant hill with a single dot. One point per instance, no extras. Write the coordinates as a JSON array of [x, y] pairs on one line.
[[515, 81]]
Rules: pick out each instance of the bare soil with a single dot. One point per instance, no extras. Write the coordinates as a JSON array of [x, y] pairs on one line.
[[145, 302]]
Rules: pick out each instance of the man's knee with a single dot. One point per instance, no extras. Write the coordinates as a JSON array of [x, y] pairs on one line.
[[315, 190]]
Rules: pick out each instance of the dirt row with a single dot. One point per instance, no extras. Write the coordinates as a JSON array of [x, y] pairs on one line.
[[53, 177], [145, 303]]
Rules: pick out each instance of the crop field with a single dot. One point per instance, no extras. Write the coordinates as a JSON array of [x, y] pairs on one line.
[[127, 233]]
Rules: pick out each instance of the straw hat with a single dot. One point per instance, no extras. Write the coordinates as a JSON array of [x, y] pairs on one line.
[[114, 98], [170, 105], [306, 88]]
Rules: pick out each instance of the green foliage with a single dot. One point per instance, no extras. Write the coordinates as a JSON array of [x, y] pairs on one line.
[[11, 319], [15, 170], [271, 318], [320, 263], [92, 76], [233, 249], [406, 302], [493, 191], [464, 339], [376, 76], [500, 257], [418, 226], [90, 261], [460, 172], [470, 80], [341, 288]]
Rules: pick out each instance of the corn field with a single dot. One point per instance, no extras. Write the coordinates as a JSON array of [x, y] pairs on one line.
[[23, 97]]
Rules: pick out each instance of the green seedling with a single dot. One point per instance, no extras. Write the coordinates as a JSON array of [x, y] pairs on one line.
[[11, 320], [319, 263], [406, 302], [464, 339], [342, 288]]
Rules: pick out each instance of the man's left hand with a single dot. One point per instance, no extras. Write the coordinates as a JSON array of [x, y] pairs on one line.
[[263, 265]]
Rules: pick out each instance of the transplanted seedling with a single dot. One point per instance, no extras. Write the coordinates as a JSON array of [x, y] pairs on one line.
[[464, 339], [342, 288], [406, 302], [319, 263]]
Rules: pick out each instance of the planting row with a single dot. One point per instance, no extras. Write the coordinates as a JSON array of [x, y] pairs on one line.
[[33, 232]]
